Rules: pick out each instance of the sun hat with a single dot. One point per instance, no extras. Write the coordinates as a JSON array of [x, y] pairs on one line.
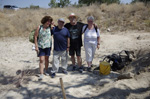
[[61, 19], [72, 14], [90, 18]]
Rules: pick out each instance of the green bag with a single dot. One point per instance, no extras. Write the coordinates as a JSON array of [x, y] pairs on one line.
[[31, 35]]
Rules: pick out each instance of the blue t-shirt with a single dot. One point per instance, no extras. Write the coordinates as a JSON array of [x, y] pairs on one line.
[[60, 38]]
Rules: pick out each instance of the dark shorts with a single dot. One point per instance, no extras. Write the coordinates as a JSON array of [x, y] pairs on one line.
[[44, 52], [74, 50]]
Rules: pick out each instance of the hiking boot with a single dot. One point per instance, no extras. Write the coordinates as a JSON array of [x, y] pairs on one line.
[[74, 68], [53, 75], [81, 69], [41, 76], [89, 69], [65, 72]]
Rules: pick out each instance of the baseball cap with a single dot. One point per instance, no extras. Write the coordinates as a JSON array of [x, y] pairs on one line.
[[61, 19]]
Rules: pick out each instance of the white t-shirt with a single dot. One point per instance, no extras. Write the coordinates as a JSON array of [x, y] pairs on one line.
[[91, 35]]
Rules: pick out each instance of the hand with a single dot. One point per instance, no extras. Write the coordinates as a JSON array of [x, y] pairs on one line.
[[67, 49], [98, 46], [95, 25], [53, 24], [36, 49]]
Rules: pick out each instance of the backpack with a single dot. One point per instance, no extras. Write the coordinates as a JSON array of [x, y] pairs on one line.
[[87, 27], [31, 35], [118, 61], [115, 61]]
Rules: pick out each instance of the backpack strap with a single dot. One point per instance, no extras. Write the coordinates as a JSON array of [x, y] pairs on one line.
[[40, 28], [95, 27], [85, 28], [39, 31]]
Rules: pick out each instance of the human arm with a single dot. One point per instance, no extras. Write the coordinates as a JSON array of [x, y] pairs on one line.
[[68, 43], [35, 39], [52, 25], [98, 42], [98, 39], [68, 40]]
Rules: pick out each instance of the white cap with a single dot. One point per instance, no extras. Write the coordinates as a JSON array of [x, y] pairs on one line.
[[72, 14], [61, 19]]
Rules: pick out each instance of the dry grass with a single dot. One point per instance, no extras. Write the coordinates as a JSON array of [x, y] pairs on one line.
[[117, 17]]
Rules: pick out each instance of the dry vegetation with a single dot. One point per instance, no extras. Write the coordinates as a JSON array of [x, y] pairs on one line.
[[116, 17]]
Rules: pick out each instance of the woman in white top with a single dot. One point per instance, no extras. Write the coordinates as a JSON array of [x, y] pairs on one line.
[[91, 40]]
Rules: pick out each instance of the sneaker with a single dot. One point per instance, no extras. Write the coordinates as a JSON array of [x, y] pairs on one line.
[[41, 76], [74, 68], [89, 69], [53, 75], [46, 73], [65, 72], [81, 69]]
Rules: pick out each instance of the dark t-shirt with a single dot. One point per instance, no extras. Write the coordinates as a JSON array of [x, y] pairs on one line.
[[60, 38], [75, 34]]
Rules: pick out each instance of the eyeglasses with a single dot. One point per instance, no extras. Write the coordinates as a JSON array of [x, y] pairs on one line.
[[90, 21], [62, 22]]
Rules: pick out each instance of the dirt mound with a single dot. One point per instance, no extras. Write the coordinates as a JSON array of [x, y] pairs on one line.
[[139, 65]]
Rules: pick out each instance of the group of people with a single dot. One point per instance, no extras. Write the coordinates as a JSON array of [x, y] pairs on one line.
[[67, 38]]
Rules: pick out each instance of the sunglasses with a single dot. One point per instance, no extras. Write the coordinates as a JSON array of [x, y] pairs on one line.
[[61, 22]]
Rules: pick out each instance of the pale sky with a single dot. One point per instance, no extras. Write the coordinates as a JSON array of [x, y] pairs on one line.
[[41, 3]]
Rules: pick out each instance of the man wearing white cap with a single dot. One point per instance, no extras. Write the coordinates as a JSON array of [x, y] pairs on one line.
[[75, 29], [61, 37]]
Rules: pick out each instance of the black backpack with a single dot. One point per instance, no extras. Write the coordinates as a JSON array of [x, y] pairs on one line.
[[118, 61], [115, 61]]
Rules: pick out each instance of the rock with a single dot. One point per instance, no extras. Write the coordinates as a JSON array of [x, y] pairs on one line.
[[125, 76], [108, 30], [139, 37]]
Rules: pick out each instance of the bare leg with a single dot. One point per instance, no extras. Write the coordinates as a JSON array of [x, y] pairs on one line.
[[73, 60], [46, 62], [79, 60], [89, 64], [41, 64]]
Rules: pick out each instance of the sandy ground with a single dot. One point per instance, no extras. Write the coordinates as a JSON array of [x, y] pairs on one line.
[[16, 54]]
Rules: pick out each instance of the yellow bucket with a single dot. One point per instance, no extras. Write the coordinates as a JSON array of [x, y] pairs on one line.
[[104, 68]]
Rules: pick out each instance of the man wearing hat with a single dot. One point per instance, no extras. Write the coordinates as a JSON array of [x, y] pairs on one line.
[[61, 37], [75, 29]]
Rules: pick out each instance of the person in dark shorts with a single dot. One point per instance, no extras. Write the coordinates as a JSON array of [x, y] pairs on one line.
[[43, 44], [75, 29]]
